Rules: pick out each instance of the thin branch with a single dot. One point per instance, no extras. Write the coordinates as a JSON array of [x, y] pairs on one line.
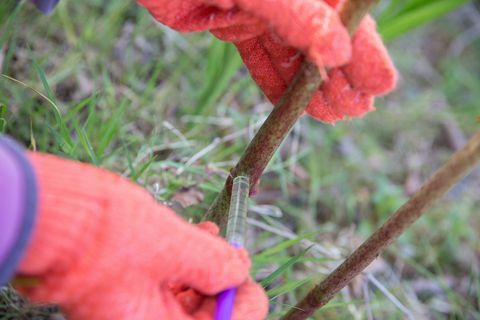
[[447, 176], [278, 124], [269, 137]]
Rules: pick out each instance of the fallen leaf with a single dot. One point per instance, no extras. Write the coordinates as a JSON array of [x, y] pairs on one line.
[[188, 196]]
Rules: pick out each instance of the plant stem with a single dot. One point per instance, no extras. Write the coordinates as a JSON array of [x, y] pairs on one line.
[[281, 120], [456, 167], [268, 138]]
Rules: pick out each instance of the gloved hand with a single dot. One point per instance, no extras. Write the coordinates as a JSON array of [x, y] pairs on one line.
[[273, 38], [103, 248]]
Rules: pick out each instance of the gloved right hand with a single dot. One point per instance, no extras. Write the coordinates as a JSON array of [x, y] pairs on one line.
[[103, 249]]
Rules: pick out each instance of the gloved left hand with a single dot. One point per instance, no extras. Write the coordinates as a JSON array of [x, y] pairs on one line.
[[103, 248], [275, 37]]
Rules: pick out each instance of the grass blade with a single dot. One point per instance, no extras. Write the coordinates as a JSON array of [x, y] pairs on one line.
[[223, 63], [85, 141], [282, 246], [284, 267], [63, 138], [417, 15], [286, 288], [3, 121]]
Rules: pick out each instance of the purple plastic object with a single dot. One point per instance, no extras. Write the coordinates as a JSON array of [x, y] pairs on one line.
[[12, 186], [18, 205], [226, 300], [46, 6]]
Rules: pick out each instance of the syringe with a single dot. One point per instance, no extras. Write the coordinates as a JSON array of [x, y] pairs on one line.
[[236, 228]]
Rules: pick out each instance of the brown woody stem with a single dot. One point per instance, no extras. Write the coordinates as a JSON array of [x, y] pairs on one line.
[[281, 120], [447, 176], [268, 138]]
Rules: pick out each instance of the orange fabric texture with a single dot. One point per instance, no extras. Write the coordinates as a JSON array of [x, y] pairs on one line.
[[103, 248], [274, 37]]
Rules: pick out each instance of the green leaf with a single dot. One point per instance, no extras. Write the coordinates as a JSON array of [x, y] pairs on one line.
[[284, 267], [414, 15], [85, 141], [43, 78], [110, 128], [149, 89], [287, 287], [63, 137], [10, 31], [223, 62], [282, 246], [142, 169], [213, 187], [3, 113], [64, 133], [7, 8], [133, 172], [75, 110]]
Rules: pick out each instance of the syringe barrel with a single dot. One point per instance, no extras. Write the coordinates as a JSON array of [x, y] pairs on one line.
[[237, 214]]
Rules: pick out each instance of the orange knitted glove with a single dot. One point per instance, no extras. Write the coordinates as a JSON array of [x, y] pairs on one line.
[[104, 249], [273, 38]]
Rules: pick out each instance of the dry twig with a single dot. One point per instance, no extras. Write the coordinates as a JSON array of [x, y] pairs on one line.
[[446, 177]]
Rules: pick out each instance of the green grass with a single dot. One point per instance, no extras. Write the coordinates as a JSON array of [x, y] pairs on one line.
[[100, 82]]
